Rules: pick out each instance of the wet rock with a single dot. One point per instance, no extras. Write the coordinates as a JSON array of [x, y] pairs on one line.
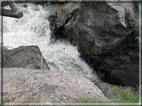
[[25, 57], [63, 15], [44, 86], [25, 5], [94, 30], [97, 29]]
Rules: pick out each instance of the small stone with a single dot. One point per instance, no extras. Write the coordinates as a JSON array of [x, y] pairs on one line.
[[24, 5]]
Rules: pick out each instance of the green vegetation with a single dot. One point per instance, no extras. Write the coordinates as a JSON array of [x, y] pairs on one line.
[[124, 96], [60, 7], [3, 52], [134, 23], [87, 100]]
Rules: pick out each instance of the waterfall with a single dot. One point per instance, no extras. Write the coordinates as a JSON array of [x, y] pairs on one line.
[[33, 29]]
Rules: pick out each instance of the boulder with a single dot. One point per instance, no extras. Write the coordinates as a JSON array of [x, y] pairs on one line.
[[25, 57], [121, 66], [43, 86], [98, 29], [95, 28], [63, 15]]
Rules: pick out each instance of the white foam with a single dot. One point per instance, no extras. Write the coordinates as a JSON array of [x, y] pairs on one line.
[[33, 29]]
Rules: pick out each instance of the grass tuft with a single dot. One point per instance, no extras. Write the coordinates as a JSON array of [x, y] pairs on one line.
[[126, 96]]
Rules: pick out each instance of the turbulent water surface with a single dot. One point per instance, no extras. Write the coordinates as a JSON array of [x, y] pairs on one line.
[[33, 29]]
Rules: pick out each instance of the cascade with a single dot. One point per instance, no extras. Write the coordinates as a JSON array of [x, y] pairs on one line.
[[33, 29]]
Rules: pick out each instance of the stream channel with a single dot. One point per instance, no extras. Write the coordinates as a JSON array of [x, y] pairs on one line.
[[33, 29]]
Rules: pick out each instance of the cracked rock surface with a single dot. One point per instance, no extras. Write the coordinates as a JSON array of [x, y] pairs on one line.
[[22, 85]]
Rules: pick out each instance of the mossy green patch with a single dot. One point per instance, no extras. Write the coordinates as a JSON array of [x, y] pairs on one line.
[[3, 50], [60, 7], [126, 96], [88, 100]]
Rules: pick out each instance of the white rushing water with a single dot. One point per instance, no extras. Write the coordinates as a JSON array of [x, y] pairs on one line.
[[33, 29]]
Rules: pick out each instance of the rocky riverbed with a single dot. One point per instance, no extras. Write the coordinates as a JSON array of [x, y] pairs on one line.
[[44, 86], [103, 36], [35, 83]]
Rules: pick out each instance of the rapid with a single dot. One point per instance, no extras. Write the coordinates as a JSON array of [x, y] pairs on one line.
[[33, 29]]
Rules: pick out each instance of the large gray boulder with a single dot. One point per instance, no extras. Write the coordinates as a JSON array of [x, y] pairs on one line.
[[96, 28], [43, 86], [25, 57], [99, 30]]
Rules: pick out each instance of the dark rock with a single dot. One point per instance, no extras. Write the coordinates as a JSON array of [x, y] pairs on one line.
[[59, 34], [93, 29], [24, 5], [92, 61], [25, 57], [121, 67], [42, 4], [97, 29]]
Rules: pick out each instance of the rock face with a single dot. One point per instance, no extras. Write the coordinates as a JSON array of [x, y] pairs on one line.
[[44, 86], [25, 57], [121, 67], [97, 29]]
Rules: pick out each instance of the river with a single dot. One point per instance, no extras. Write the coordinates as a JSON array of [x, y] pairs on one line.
[[33, 29]]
